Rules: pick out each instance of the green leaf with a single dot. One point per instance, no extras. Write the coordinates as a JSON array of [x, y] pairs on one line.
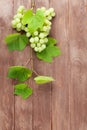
[[51, 41], [43, 79], [23, 90], [50, 52], [34, 21], [19, 72], [26, 18], [16, 41]]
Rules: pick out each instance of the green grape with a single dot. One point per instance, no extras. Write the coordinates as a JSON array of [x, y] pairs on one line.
[[43, 46], [33, 45], [49, 18], [43, 9], [15, 16], [17, 20], [36, 39], [45, 28], [45, 40], [46, 34], [20, 9], [23, 27], [51, 10], [38, 44], [19, 25], [28, 34], [26, 29], [46, 21], [40, 49], [36, 49], [53, 14], [48, 28], [18, 29], [14, 23], [36, 33], [32, 40], [41, 41], [19, 15], [41, 35], [47, 13]]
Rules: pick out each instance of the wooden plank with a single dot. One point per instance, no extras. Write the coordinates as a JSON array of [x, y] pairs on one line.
[[23, 108], [78, 64], [6, 90], [60, 68], [42, 93]]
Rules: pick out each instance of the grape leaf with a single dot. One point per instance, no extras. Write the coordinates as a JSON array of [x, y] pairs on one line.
[[34, 21], [19, 72], [26, 18], [16, 41], [23, 90], [43, 79], [51, 41], [50, 52]]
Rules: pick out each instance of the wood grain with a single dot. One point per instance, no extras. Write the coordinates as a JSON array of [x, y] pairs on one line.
[[60, 71], [61, 105], [6, 90], [78, 65], [42, 93], [23, 108]]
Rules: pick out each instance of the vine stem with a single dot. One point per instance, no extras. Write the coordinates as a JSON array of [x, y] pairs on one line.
[[32, 4], [29, 61]]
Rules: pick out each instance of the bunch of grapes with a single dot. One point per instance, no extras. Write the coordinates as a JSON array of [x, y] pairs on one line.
[[38, 39]]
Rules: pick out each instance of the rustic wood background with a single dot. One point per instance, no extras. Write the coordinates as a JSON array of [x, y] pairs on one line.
[[61, 105]]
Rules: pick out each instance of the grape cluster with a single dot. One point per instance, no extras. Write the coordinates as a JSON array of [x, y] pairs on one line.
[[17, 20], [39, 38]]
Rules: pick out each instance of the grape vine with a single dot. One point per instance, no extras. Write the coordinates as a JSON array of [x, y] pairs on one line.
[[32, 29]]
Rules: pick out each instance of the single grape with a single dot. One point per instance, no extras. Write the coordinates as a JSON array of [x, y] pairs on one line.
[[46, 21], [36, 33], [51, 10], [53, 14], [28, 34], [14, 23], [17, 20], [47, 13], [41, 41], [18, 29], [15, 16], [45, 28], [38, 44], [41, 35], [49, 18], [20, 9], [19, 25], [19, 15], [43, 9], [33, 45], [36, 39], [32, 40], [36, 49], [40, 49], [23, 27], [43, 46], [46, 34], [45, 40], [26, 29], [48, 28]]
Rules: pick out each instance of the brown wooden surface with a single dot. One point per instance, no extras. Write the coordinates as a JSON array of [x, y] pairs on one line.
[[61, 105]]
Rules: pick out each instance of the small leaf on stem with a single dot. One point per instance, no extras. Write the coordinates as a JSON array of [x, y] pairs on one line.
[[23, 90], [43, 79]]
